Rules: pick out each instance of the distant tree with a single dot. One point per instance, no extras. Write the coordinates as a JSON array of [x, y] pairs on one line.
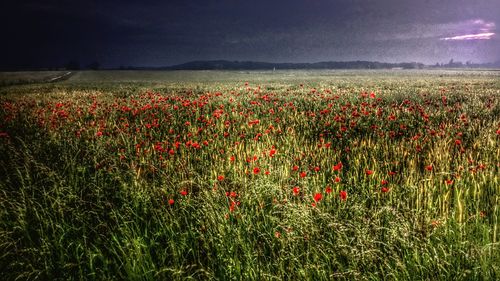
[[94, 65], [72, 65]]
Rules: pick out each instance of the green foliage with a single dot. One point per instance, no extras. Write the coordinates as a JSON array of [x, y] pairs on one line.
[[176, 176]]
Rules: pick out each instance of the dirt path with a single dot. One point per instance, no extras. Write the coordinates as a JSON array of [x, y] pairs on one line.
[[61, 77]]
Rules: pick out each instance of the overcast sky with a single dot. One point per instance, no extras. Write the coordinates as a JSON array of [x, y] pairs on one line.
[[159, 33]]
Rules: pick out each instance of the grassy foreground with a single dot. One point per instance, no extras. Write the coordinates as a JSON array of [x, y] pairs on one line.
[[317, 177]]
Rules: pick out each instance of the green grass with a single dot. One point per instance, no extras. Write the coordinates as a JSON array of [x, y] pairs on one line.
[[88, 166]]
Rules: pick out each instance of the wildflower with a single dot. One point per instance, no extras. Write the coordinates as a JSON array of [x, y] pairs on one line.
[[343, 195], [220, 178], [277, 234], [429, 167], [384, 189], [316, 169], [171, 202], [337, 179], [368, 172], [296, 191], [295, 168], [317, 197], [328, 190], [384, 182], [303, 174], [256, 170], [184, 192], [337, 167], [448, 182]]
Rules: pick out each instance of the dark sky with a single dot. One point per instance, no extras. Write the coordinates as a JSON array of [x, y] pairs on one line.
[[158, 33]]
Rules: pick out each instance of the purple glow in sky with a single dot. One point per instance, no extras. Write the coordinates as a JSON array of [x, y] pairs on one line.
[[474, 30]]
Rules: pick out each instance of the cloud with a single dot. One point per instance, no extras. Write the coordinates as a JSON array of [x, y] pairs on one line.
[[477, 29], [480, 36]]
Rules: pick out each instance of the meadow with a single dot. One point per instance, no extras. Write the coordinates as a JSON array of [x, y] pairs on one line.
[[284, 175]]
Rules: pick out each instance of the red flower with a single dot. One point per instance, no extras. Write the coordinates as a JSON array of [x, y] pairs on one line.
[[343, 195], [316, 169], [337, 167], [317, 197], [295, 168], [328, 190], [99, 134], [267, 172], [391, 173], [220, 178], [256, 170], [337, 179], [368, 172], [429, 167], [296, 190], [184, 192], [384, 189], [272, 152], [171, 202], [232, 158], [448, 182], [384, 182], [303, 174], [458, 142]]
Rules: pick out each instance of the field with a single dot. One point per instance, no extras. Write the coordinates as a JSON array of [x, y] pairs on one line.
[[295, 175]]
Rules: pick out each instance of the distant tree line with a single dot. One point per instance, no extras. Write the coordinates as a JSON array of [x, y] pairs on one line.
[[251, 65]]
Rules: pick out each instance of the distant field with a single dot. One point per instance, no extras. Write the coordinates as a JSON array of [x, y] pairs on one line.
[[259, 175], [26, 77]]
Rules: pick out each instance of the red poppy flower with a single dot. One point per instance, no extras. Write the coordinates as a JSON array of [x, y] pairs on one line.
[[171, 202], [337, 167], [317, 197], [328, 190], [337, 179], [429, 167], [343, 195], [296, 190], [184, 192], [272, 152], [256, 170], [448, 182], [303, 174], [384, 182], [316, 169], [368, 172], [220, 178], [384, 189], [295, 168]]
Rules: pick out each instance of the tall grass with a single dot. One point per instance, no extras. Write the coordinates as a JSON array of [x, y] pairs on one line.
[[221, 181]]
